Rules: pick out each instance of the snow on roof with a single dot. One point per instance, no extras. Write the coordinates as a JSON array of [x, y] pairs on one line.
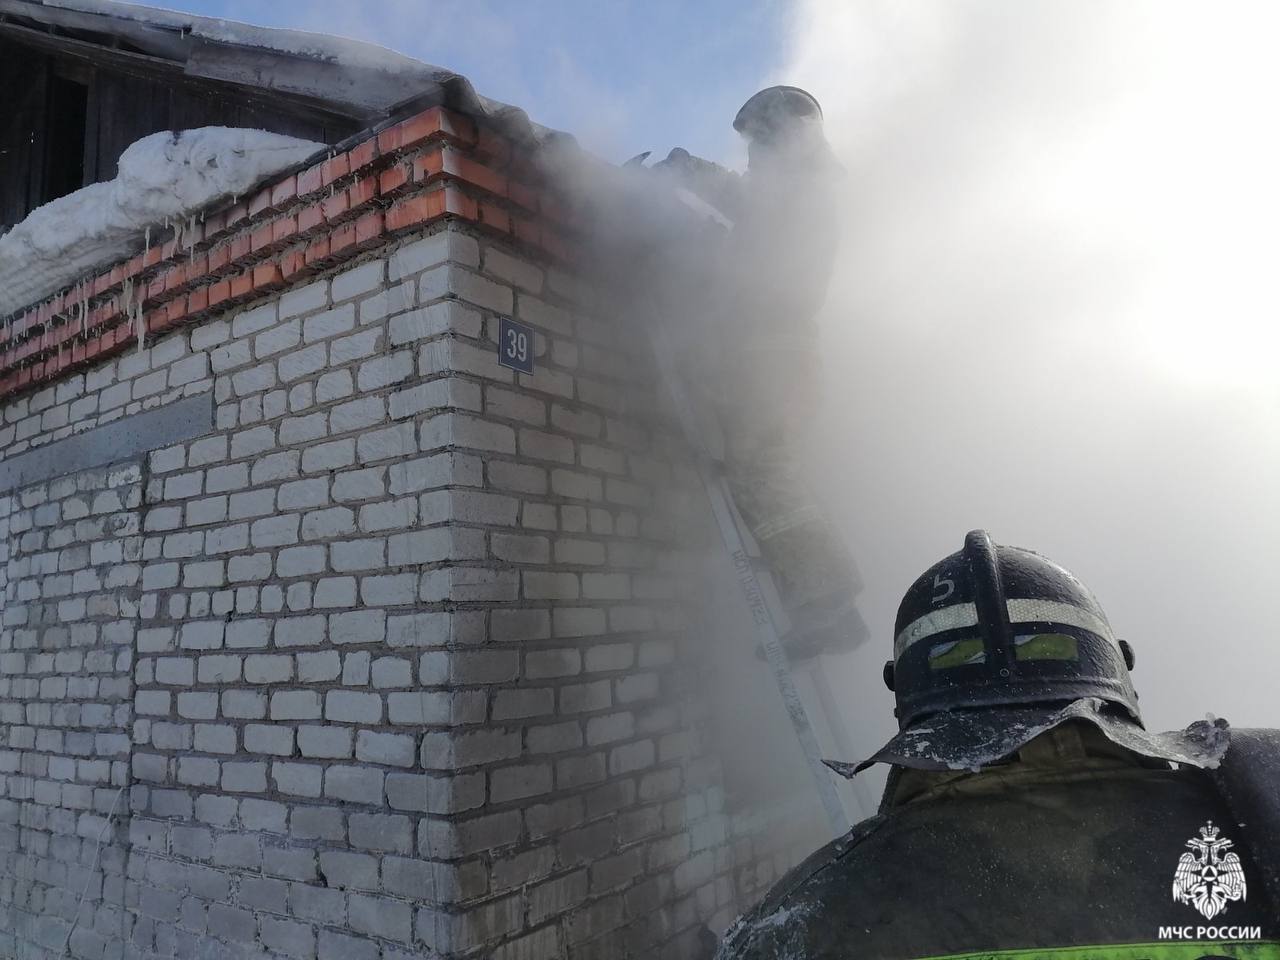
[[301, 43], [368, 80], [162, 179]]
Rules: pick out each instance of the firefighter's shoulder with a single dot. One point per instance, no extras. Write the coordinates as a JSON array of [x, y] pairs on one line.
[[795, 917]]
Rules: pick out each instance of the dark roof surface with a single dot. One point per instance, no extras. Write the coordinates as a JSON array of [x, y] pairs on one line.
[[350, 78]]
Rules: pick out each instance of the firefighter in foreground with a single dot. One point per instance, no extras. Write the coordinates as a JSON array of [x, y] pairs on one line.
[[1028, 813]]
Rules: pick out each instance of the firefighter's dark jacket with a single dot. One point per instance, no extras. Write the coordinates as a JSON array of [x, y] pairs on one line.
[[1073, 843]]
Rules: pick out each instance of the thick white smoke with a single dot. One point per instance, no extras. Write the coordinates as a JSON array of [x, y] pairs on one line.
[[1054, 317]]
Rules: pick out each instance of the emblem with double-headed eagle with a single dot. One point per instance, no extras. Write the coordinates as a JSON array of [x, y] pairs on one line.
[[1207, 877]]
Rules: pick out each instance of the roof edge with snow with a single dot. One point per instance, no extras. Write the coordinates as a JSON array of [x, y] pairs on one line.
[[386, 90], [400, 178]]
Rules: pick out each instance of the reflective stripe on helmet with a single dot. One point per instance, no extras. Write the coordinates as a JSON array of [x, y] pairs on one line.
[[1053, 611], [936, 621], [1020, 611]]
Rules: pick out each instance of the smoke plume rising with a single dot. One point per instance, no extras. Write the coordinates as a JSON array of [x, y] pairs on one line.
[[1052, 317]]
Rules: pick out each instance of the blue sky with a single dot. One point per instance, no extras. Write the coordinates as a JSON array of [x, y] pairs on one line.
[[622, 77]]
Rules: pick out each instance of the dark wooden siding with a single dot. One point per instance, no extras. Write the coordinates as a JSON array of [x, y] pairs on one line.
[[22, 80], [122, 108]]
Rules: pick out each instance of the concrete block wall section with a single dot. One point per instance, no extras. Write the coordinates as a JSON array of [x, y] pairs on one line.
[[399, 649]]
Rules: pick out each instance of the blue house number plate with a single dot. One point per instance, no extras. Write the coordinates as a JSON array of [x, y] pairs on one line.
[[515, 345]]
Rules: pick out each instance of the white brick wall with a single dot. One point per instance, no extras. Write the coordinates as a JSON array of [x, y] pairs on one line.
[[67, 645], [395, 649]]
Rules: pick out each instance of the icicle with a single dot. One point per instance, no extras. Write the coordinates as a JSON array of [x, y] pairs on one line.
[[127, 297], [191, 232], [76, 296], [146, 241], [139, 331], [126, 303]]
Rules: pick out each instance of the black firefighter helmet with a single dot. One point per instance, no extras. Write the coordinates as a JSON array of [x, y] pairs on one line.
[[1001, 626], [994, 645], [769, 113]]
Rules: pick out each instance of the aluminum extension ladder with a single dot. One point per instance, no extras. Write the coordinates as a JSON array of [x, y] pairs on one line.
[[760, 594]]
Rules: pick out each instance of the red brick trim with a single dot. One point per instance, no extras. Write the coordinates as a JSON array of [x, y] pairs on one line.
[[433, 166]]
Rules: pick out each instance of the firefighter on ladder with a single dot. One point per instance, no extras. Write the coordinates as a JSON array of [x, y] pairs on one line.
[[763, 374], [1028, 813]]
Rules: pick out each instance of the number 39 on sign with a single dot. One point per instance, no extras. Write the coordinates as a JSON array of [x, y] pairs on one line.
[[515, 345]]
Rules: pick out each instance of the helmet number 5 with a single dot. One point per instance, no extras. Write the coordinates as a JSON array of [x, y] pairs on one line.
[[943, 587]]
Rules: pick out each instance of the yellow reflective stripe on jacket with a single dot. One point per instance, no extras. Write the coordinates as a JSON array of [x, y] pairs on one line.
[[1161, 950]]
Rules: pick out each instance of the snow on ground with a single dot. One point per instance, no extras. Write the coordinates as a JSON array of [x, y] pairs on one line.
[[163, 178]]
